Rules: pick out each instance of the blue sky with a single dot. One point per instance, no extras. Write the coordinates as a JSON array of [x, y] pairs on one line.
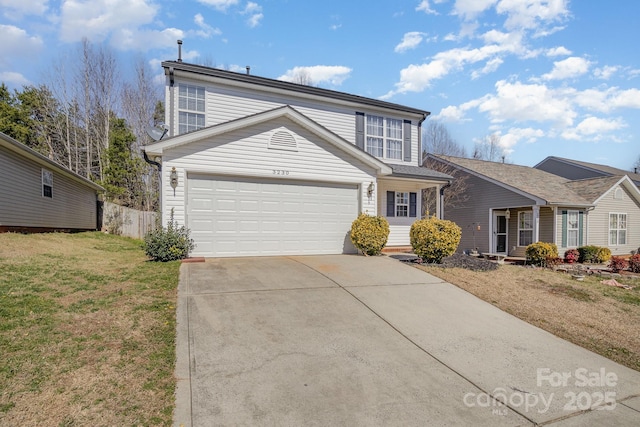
[[549, 77]]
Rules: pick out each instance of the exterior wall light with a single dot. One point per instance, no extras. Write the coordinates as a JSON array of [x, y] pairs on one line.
[[173, 179], [370, 189], [507, 214]]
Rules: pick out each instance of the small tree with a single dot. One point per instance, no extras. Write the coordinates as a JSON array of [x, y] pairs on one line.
[[433, 239], [370, 233]]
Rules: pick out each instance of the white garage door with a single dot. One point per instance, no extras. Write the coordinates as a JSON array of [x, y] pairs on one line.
[[240, 217]]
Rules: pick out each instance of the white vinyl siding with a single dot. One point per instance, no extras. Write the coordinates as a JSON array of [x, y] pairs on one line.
[[525, 228], [246, 153], [617, 229]]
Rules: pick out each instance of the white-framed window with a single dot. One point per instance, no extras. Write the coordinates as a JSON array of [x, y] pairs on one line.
[[191, 108], [617, 229], [384, 137], [47, 183], [573, 228], [402, 204], [525, 228]]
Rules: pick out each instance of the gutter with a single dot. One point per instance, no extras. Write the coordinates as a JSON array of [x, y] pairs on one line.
[[151, 162]]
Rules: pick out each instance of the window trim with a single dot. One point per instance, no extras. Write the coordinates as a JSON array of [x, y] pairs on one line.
[[402, 203], [185, 127], [577, 229], [412, 204], [385, 137], [46, 179], [618, 230], [525, 229]]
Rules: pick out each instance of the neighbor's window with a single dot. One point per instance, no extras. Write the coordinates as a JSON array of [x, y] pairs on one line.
[[384, 137], [191, 106], [47, 183], [617, 229], [573, 228], [402, 204], [525, 228]]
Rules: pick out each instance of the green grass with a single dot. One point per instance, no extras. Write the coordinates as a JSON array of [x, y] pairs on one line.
[[87, 331]]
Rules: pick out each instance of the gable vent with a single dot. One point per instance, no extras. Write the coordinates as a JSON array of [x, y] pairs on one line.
[[618, 194], [283, 140]]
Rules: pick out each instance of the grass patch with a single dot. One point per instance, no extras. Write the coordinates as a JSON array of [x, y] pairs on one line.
[[87, 331], [598, 317]]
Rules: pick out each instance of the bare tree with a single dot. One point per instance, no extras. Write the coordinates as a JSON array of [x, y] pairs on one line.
[[455, 196], [489, 149], [302, 77], [636, 166], [436, 139]]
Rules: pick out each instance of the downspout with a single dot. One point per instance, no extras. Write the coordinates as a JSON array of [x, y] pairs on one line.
[[171, 101], [424, 117], [444, 187], [159, 166]]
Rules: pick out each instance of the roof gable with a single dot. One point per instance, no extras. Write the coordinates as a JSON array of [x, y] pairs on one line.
[[286, 111]]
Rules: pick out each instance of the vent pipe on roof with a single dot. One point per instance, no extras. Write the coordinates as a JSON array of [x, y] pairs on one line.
[[179, 50], [635, 170], [248, 70]]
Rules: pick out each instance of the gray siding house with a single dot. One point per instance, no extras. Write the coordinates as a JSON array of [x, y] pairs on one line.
[[508, 207], [40, 195], [575, 169]]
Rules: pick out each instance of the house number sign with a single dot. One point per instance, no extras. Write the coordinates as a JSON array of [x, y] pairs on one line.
[[280, 172]]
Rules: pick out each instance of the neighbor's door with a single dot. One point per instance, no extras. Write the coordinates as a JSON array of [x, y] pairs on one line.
[[499, 233]]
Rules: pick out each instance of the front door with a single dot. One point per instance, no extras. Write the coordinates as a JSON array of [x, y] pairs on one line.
[[499, 233]]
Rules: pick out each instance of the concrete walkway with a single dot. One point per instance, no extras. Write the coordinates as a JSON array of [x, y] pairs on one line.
[[361, 341]]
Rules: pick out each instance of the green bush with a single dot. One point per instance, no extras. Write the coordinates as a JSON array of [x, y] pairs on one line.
[[370, 233], [594, 254], [170, 243], [539, 252], [433, 239]]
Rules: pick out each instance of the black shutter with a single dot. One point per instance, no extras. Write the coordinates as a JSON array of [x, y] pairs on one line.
[[413, 204], [391, 203], [360, 130], [406, 133]]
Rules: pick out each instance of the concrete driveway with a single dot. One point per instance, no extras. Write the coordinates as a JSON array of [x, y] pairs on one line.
[[352, 340]]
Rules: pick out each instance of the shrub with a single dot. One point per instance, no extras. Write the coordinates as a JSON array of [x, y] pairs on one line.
[[370, 233], [618, 264], [571, 256], [433, 239], [538, 252], [603, 255], [170, 243], [552, 261], [634, 263]]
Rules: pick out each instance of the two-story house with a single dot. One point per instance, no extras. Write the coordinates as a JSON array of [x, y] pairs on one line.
[[266, 167]]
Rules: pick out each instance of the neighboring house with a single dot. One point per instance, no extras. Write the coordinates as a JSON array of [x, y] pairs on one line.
[[575, 169], [40, 195], [266, 167], [509, 207]]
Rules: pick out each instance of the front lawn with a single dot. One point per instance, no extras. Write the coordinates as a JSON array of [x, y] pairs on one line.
[[87, 331], [601, 318]]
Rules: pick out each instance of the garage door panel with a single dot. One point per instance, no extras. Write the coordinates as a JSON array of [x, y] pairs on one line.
[[236, 217]]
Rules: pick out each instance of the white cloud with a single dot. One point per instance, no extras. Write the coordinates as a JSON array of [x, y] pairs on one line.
[[629, 98], [332, 74], [605, 72], [335, 27], [469, 9], [17, 43], [515, 135], [255, 12], [593, 128], [558, 51], [452, 113], [96, 20], [13, 79], [527, 102], [410, 41], [15, 9], [531, 13], [568, 68], [424, 7], [206, 30], [135, 39], [221, 5], [491, 66]]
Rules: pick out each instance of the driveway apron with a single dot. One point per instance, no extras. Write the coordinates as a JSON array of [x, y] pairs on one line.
[[352, 340]]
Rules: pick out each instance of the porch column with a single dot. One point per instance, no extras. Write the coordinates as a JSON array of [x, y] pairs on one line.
[[536, 223], [439, 197]]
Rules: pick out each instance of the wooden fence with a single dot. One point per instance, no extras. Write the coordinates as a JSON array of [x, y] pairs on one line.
[[127, 222]]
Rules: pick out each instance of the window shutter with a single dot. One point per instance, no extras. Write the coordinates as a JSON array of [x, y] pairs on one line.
[[580, 223], [391, 203], [360, 130], [564, 229], [406, 132], [413, 204]]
